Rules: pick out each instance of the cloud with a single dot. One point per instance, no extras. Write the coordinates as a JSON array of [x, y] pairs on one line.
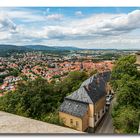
[[54, 17], [6, 24], [78, 13], [96, 29], [5, 35], [96, 26], [7, 27], [24, 15]]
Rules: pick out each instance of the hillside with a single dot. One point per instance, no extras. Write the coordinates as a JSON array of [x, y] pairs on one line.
[[6, 50], [42, 47], [36, 47]]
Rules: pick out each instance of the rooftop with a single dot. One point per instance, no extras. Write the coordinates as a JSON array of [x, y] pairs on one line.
[[90, 92], [10, 123], [92, 89], [80, 95], [77, 109]]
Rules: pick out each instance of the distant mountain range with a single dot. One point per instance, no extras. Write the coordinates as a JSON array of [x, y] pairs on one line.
[[42, 47], [36, 48], [10, 48]]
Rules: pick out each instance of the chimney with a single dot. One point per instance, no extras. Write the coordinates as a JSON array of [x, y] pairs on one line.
[[97, 81]]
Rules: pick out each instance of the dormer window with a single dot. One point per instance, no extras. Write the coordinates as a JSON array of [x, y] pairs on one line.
[[98, 81]]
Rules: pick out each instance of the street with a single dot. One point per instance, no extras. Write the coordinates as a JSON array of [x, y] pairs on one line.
[[106, 125]]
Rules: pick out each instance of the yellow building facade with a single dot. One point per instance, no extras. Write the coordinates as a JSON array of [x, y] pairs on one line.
[[83, 109]]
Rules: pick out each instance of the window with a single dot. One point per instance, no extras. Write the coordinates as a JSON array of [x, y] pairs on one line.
[[63, 120], [103, 110], [95, 118], [98, 114], [71, 121], [77, 124]]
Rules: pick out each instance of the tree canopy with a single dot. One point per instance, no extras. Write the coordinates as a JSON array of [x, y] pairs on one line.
[[126, 84], [39, 99]]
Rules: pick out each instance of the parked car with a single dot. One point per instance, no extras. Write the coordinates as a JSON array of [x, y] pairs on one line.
[[107, 106], [108, 103], [109, 97]]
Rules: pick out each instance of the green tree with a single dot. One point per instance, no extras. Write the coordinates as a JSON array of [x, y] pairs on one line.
[[71, 83], [128, 92], [92, 72], [126, 119], [126, 84], [124, 65], [39, 99]]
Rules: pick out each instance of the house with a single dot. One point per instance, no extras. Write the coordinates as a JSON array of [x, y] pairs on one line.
[[84, 108]]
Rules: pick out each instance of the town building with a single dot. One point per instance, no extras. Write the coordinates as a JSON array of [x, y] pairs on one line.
[[138, 60], [84, 108]]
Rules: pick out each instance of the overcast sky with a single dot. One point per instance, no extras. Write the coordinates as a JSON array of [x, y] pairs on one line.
[[79, 27]]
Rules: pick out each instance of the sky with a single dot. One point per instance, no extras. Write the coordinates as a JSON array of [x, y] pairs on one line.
[[83, 27]]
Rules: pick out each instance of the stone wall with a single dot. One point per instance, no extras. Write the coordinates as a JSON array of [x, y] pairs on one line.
[[10, 123]]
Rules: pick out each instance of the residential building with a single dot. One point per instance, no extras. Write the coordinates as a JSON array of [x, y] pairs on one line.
[[138, 60], [84, 108]]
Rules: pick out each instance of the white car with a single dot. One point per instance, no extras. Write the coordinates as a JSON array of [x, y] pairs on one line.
[[108, 99], [108, 102], [111, 96]]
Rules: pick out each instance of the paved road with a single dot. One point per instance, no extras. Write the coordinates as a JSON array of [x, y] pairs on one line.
[[106, 125]]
